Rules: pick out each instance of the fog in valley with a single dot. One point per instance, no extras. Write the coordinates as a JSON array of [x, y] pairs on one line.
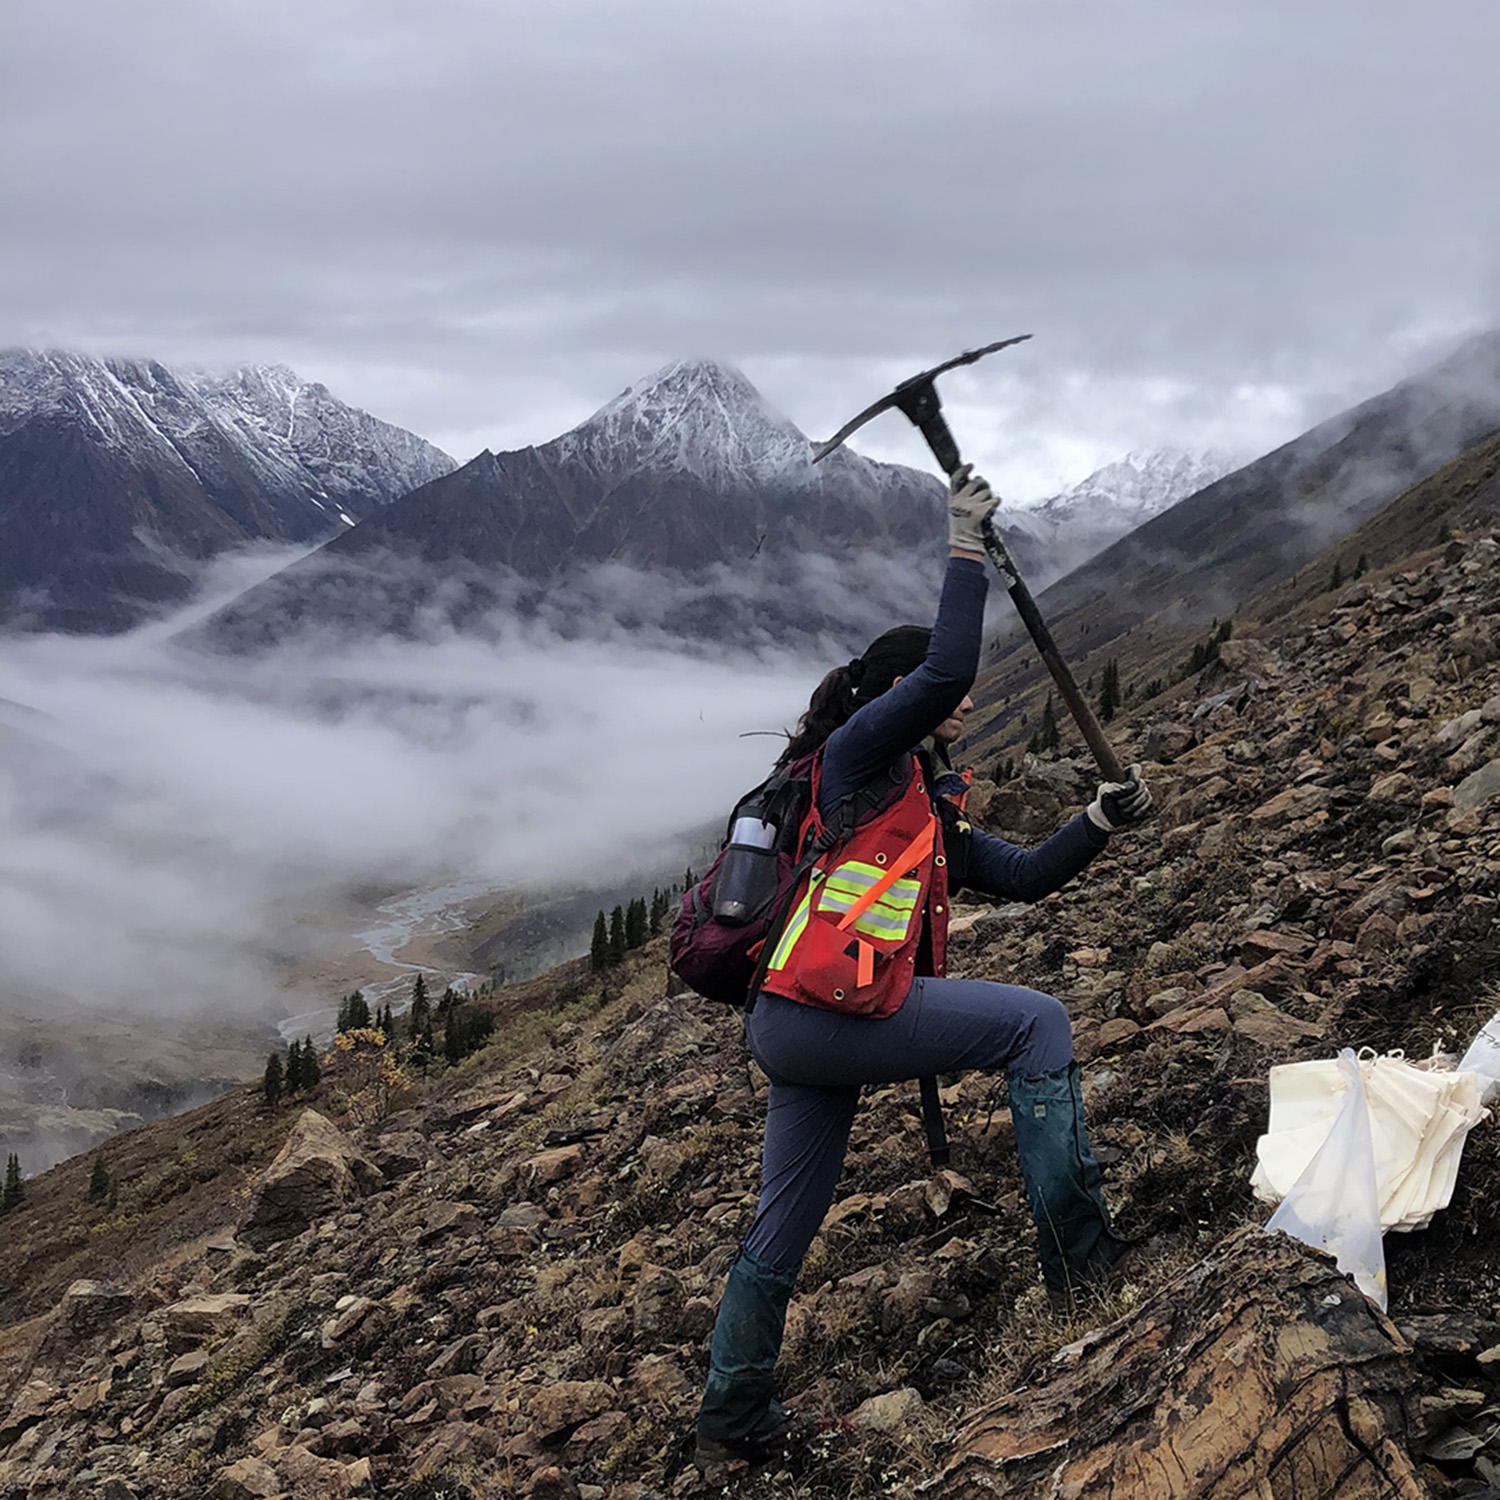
[[169, 820]]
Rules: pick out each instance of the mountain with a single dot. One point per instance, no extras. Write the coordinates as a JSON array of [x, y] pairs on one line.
[[689, 478], [501, 1279], [1067, 529], [118, 475], [1207, 555]]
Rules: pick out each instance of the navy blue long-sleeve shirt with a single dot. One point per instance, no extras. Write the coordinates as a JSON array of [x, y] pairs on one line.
[[895, 724]]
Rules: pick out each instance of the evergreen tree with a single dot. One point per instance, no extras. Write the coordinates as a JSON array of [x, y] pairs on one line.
[[1362, 566], [270, 1085], [311, 1073], [660, 906], [1109, 691], [14, 1189], [599, 948], [387, 1023], [635, 923], [617, 943], [99, 1181], [419, 1013], [291, 1077], [354, 1012], [1336, 578], [1049, 736]]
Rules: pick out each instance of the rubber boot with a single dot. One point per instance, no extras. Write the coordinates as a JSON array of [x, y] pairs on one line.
[[738, 1419], [1075, 1239]]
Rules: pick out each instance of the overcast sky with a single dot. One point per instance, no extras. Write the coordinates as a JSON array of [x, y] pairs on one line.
[[481, 219]]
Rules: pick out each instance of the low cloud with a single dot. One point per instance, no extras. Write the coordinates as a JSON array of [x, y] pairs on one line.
[[169, 819]]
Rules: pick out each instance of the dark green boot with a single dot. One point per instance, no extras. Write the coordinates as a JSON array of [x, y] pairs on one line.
[[1075, 1239], [738, 1418]]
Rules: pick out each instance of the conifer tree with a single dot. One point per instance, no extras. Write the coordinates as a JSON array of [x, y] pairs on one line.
[[1336, 578], [1048, 736], [270, 1084], [617, 935], [1109, 691], [291, 1077], [354, 1012], [599, 948], [635, 923], [419, 1013], [660, 906], [14, 1189], [311, 1073], [99, 1181]]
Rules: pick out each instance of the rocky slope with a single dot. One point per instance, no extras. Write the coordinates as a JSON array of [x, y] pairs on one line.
[[117, 475], [505, 1286]]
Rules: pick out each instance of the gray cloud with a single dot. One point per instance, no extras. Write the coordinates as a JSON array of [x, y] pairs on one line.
[[482, 220]]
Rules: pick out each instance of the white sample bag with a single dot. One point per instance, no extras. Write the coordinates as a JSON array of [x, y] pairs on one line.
[[1419, 1120], [1483, 1059], [1333, 1204]]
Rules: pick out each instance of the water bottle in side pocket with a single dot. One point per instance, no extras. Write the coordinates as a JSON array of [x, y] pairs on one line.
[[746, 880]]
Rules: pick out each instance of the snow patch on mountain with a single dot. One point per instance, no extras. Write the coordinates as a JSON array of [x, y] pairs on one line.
[[1080, 522], [291, 435], [696, 417]]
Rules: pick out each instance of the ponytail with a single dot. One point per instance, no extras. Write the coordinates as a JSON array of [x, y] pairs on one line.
[[847, 688]]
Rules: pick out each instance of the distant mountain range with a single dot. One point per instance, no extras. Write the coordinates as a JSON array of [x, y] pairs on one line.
[[688, 480], [118, 476], [1067, 529], [685, 506], [1210, 553]]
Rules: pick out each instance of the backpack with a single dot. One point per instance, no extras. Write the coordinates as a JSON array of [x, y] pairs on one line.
[[734, 914]]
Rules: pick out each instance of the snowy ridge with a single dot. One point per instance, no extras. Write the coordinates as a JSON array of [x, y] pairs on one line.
[[292, 436], [694, 417], [1069, 528]]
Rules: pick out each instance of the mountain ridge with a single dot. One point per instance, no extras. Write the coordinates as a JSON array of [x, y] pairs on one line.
[[118, 477]]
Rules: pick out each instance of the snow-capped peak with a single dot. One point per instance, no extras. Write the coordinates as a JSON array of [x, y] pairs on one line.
[[1134, 488], [697, 417]]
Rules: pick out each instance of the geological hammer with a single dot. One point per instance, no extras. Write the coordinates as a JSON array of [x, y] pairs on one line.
[[917, 399]]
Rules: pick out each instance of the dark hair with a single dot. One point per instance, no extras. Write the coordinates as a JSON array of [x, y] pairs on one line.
[[898, 652]]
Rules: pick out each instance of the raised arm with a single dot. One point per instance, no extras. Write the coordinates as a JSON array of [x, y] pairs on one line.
[[899, 720]]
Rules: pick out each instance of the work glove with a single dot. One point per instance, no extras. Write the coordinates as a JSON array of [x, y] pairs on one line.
[[969, 503], [1118, 804]]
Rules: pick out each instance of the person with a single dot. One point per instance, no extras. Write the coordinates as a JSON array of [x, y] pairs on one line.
[[854, 992]]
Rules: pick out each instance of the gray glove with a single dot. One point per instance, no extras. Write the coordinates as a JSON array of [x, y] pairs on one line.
[[1118, 804], [969, 502]]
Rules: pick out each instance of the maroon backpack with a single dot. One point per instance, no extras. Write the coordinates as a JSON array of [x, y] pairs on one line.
[[730, 921]]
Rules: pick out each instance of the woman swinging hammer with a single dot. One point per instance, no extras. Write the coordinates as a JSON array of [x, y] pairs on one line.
[[854, 1000]]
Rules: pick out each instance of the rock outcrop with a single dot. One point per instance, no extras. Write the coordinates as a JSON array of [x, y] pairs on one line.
[[318, 1171]]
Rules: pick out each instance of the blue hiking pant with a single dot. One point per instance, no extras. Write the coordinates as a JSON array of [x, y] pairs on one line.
[[817, 1061]]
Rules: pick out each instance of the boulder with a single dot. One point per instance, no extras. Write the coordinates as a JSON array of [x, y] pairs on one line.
[[89, 1307], [197, 1319], [317, 1172], [248, 1479]]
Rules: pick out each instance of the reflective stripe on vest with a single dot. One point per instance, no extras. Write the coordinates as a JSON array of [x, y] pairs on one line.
[[888, 916]]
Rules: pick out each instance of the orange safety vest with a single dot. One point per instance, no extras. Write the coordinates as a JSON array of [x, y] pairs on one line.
[[857, 918]]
